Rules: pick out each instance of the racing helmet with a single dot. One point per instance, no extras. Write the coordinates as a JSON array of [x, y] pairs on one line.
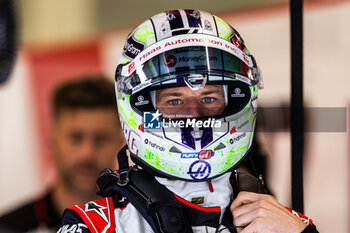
[[187, 90]]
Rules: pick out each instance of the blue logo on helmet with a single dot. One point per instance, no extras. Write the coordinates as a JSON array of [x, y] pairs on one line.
[[199, 170], [204, 154]]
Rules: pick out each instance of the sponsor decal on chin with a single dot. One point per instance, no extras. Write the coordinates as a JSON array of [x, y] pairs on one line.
[[238, 138], [154, 145], [204, 154], [199, 170]]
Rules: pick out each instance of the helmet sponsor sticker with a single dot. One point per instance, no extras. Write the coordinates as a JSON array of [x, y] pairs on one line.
[[141, 86], [190, 155], [207, 25], [199, 170], [238, 93], [175, 19], [197, 59], [204, 154], [238, 138], [235, 41], [233, 130], [154, 145], [194, 18], [141, 100], [131, 67], [174, 42], [131, 137], [132, 48], [171, 61], [245, 58]]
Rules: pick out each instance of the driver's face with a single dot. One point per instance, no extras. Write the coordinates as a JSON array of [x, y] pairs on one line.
[[180, 102]]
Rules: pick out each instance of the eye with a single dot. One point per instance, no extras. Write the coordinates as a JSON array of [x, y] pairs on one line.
[[75, 138], [174, 102], [208, 100], [101, 139]]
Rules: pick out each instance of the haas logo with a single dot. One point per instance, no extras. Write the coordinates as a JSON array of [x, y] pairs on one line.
[[199, 170]]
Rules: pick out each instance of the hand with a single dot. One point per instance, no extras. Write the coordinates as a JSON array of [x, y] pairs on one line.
[[261, 213]]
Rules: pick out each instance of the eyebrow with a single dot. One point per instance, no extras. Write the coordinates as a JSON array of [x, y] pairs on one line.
[[177, 94], [212, 92]]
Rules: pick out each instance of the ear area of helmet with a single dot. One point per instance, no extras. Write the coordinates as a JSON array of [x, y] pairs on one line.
[[142, 102], [118, 72], [120, 80], [254, 74]]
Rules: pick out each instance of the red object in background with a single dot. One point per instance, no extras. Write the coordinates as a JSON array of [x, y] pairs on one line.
[[51, 67]]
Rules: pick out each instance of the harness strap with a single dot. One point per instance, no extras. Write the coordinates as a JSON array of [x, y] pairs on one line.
[[161, 204], [154, 201]]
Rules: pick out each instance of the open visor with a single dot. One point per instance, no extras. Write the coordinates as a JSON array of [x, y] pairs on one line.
[[177, 102]]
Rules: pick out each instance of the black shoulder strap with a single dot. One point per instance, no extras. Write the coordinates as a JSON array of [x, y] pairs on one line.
[[154, 201]]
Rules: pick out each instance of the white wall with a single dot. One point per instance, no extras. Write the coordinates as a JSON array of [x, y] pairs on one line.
[[19, 165], [327, 45]]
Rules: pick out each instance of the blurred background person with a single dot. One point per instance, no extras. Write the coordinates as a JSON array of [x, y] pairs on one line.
[[85, 138]]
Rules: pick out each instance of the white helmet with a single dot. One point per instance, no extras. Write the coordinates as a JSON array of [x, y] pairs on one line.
[[187, 95]]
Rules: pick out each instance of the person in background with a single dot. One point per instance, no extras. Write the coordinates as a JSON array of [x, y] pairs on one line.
[[85, 138]]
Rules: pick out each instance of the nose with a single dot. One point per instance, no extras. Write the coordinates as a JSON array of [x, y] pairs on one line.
[[192, 108], [87, 149]]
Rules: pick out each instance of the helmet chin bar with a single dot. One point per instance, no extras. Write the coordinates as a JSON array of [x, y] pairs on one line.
[[155, 172], [196, 81]]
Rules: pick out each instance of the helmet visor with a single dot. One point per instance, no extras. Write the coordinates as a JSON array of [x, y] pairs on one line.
[[196, 58], [189, 60]]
